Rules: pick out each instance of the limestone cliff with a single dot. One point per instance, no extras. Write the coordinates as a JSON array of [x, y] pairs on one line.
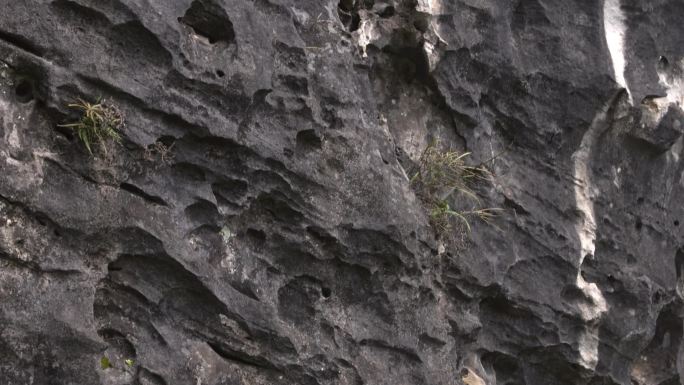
[[280, 240]]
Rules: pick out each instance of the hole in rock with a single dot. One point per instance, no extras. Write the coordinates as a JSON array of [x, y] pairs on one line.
[[663, 63], [308, 139], [24, 91], [167, 141], [256, 235], [220, 73], [326, 292], [65, 132], [210, 20], [387, 12], [421, 24], [348, 12], [42, 220]]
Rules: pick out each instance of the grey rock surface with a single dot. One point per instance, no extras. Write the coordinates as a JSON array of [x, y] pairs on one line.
[[281, 242]]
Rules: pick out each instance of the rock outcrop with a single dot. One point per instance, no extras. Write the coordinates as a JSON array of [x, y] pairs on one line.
[[280, 240]]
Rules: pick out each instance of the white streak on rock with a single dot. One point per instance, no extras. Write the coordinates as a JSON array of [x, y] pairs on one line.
[[615, 28], [595, 305]]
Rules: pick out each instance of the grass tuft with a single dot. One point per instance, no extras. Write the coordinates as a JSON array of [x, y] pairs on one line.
[[100, 124], [440, 176]]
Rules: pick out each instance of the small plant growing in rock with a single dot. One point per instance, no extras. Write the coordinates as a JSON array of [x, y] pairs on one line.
[[105, 363], [100, 124], [159, 151], [440, 175]]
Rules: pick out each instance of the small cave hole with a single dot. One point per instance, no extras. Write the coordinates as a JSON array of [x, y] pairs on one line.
[[346, 5], [66, 132], [41, 220], [638, 225], [209, 19], [410, 63], [421, 24], [326, 292], [663, 63], [256, 235], [220, 73], [676, 223], [640, 200], [348, 12], [387, 12], [24, 91], [167, 141], [308, 139], [355, 22]]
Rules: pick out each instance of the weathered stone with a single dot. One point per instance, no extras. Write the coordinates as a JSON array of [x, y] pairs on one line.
[[281, 242], [660, 131]]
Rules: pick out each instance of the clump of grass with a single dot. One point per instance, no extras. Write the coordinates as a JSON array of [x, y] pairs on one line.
[[100, 124], [440, 176]]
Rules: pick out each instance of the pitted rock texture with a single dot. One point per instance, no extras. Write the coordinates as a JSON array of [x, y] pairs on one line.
[[280, 242]]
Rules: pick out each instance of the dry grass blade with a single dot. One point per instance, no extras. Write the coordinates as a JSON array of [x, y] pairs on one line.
[[159, 151]]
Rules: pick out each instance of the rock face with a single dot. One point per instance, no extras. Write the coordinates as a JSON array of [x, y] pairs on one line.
[[280, 241]]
